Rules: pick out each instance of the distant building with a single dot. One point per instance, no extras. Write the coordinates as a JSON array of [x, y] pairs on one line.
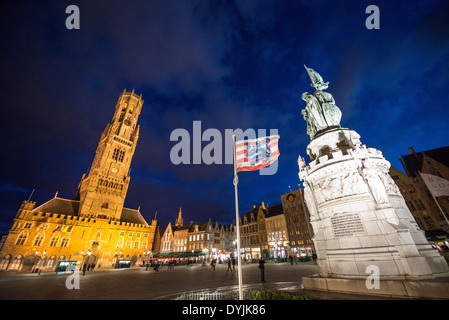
[[277, 232], [297, 218], [196, 240], [418, 198], [94, 228], [253, 234]]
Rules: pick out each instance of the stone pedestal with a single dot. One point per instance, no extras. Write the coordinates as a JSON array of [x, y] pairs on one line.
[[359, 217]]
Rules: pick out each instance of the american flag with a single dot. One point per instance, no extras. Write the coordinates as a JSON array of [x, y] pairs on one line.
[[255, 154]]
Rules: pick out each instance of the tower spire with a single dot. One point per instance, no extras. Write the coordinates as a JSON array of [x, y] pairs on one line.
[[179, 221], [103, 190]]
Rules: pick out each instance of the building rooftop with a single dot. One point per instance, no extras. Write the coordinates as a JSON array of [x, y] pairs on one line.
[[412, 162], [71, 207]]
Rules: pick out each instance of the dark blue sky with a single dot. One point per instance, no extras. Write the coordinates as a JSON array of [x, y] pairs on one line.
[[228, 64]]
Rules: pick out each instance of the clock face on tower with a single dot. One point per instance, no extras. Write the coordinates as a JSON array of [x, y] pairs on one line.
[[114, 169], [127, 122]]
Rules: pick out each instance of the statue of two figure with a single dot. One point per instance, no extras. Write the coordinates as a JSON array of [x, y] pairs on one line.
[[320, 113]]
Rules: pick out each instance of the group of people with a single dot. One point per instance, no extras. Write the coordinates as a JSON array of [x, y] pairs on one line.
[[156, 266]]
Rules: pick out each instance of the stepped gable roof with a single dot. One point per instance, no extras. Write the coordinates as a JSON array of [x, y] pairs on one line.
[[201, 226], [71, 207], [413, 162]]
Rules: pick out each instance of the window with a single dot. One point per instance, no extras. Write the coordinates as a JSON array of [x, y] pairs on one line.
[[429, 223], [420, 205], [15, 264], [54, 240], [21, 239], [65, 242], [410, 205], [27, 225], [411, 188], [38, 240], [119, 243], [118, 154]]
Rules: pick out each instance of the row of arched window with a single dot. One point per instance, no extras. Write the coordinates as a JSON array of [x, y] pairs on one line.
[[110, 184], [55, 241], [131, 245], [44, 262]]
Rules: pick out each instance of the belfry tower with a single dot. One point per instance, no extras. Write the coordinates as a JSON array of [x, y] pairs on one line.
[[103, 190]]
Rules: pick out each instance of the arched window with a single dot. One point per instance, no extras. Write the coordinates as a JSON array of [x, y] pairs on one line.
[[54, 240], [39, 239], [120, 243], [15, 264], [22, 238], [5, 262], [65, 241], [51, 262]]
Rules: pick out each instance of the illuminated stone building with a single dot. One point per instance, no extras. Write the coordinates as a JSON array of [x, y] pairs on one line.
[[253, 233], [94, 228], [416, 194], [278, 241], [195, 240], [298, 225]]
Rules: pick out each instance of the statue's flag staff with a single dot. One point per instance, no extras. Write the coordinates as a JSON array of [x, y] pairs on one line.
[[250, 155]]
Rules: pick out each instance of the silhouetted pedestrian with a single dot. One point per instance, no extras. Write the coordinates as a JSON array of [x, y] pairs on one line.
[[229, 266], [262, 269]]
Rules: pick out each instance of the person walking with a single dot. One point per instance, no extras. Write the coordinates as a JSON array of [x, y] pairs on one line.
[[229, 266], [262, 269], [233, 264], [314, 257]]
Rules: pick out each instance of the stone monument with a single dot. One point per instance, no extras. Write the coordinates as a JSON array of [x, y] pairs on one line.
[[363, 230]]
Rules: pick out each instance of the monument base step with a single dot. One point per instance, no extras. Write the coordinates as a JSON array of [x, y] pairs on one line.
[[419, 289]]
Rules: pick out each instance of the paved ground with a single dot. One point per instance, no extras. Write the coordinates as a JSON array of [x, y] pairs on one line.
[[137, 283], [141, 284]]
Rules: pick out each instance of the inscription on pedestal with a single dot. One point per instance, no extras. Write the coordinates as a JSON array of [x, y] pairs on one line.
[[347, 224]]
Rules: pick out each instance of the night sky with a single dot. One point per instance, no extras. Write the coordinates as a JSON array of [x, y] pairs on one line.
[[228, 64]]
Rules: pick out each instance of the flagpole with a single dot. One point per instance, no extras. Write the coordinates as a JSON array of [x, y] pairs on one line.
[[239, 258]]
